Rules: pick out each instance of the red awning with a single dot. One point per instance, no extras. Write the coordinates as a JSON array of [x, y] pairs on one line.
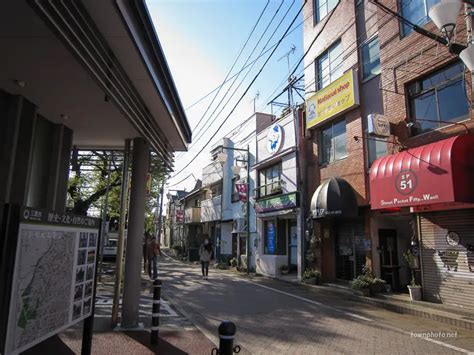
[[434, 173]]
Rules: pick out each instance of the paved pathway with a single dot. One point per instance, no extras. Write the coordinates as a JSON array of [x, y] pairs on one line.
[[273, 317]]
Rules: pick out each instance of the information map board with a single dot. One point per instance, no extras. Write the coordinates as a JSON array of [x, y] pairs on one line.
[[53, 277]]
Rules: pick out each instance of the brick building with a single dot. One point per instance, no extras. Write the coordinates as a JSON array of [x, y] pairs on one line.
[[395, 131], [338, 35]]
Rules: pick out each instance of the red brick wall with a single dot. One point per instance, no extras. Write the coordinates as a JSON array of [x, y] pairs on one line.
[[342, 26], [405, 59]]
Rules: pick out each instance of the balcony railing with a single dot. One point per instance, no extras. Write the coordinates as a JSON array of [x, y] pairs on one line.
[[211, 209], [192, 215], [272, 188]]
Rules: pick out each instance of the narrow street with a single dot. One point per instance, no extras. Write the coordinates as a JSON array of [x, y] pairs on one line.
[[279, 318]]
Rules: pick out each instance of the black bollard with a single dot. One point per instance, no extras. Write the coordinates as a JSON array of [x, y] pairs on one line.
[[155, 315], [227, 331]]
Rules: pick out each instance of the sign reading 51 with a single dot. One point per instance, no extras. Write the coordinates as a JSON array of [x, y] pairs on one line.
[[406, 182]]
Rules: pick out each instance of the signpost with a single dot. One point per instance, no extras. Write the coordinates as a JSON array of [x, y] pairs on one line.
[[53, 263]]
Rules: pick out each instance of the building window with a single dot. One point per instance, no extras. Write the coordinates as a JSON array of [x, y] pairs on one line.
[[270, 181], [377, 147], [216, 190], [415, 11], [275, 233], [329, 66], [323, 7], [440, 96], [333, 142], [371, 59]]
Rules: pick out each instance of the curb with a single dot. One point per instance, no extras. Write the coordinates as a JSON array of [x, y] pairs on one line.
[[399, 306]]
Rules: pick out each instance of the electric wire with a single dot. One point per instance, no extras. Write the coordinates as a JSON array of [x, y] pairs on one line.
[[245, 92]]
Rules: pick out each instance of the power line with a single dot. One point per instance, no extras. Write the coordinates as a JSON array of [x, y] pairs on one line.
[[238, 86], [233, 64], [245, 92], [250, 63]]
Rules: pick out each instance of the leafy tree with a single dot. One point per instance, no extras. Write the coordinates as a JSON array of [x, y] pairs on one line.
[[94, 172]]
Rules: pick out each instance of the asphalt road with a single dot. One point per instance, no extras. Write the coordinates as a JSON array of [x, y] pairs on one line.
[[274, 317]]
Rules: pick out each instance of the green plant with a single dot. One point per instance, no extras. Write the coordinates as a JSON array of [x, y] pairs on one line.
[[233, 262], [311, 273], [361, 282], [284, 268], [411, 259]]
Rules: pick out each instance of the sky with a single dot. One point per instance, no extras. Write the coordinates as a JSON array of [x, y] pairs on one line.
[[201, 40]]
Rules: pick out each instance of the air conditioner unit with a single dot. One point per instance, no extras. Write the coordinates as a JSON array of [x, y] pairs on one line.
[[239, 225]]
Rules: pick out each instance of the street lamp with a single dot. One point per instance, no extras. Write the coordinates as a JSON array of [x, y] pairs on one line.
[[236, 169], [444, 15]]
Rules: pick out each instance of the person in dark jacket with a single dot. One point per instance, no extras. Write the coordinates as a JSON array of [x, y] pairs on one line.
[[153, 250], [205, 255]]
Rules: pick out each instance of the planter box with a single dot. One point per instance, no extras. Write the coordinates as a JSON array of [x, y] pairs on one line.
[[363, 292], [311, 281], [415, 293]]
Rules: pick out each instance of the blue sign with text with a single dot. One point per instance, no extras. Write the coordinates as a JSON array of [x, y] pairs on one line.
[[271, 238]]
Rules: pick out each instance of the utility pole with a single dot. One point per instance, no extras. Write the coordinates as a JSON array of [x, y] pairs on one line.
[[160, 215], [247, 212]]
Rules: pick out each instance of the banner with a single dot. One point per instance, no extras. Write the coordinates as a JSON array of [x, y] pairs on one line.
[[242, 190], [180, 216]]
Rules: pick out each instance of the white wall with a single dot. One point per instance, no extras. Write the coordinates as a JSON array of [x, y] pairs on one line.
[[226, 238]]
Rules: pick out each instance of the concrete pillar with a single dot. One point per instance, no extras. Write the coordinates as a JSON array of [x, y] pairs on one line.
[[136, 225]]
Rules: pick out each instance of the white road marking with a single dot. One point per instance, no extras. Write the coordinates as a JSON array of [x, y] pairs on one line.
[[440, 343]]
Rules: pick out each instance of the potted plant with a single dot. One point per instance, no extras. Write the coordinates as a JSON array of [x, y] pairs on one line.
[[233, 262], [312, 277], [413, 287], [415, 290], [378, 286], [362, 284], [284, 269]]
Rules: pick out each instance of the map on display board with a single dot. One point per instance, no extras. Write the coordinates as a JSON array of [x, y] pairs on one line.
[[53, 279]]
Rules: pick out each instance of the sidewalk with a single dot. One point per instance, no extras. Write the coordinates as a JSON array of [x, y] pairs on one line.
[[177, 335], [399, 303]]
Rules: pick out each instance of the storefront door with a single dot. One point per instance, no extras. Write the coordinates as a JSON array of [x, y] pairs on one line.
[[350, 252], [389, 267], [293, 247]]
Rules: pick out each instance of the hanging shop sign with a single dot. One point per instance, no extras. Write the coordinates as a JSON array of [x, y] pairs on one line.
[[336, 98], [277, 203], [242, 191], [274, 138], [378, 125], [180, 216]]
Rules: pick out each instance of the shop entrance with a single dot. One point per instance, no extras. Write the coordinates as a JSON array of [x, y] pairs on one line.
[[293, 246], [389, 265], [350, 250]]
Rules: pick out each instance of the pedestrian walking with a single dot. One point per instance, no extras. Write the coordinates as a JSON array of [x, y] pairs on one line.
[[205, 255], [153, 250]]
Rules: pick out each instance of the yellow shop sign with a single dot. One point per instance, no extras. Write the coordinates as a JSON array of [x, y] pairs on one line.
[[334, 99]]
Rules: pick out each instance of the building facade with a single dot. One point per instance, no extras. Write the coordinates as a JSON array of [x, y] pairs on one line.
[[277, 199], [388, 115]]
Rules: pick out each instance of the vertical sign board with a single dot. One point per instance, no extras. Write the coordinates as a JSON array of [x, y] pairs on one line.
[[53, 277], [271, 237]]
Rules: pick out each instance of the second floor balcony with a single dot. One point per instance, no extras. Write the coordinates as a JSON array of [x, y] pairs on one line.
[[211, 209], [273, 188], [192, 215]]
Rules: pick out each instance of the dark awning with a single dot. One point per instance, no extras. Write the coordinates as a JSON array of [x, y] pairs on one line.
[[334, 198], [440, 172]]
